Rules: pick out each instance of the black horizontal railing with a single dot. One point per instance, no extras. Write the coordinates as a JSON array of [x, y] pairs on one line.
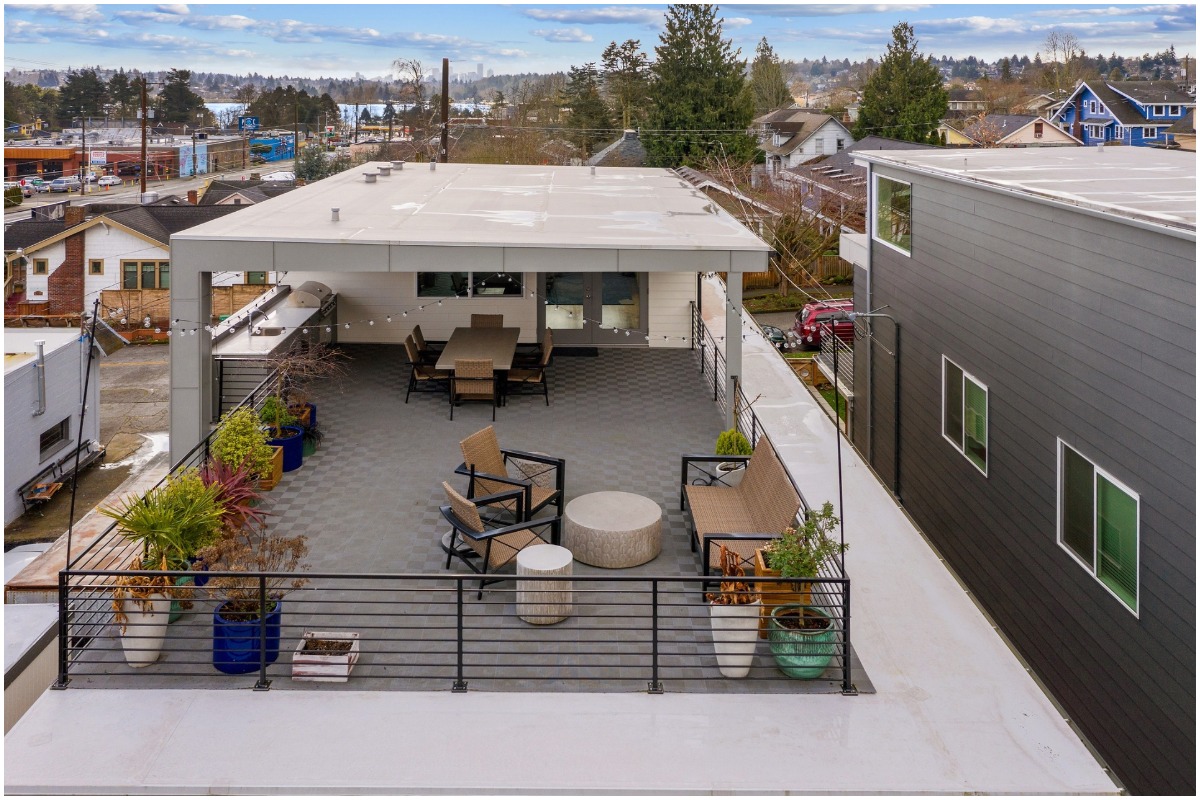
[[416, 632], [710, 356]]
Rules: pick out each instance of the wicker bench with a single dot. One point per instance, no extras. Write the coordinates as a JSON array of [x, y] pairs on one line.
[[740, 517]]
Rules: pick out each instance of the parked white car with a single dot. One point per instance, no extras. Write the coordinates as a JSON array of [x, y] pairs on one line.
[[279, 176], [109, 180]]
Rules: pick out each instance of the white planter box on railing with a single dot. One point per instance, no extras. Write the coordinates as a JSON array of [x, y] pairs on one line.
[[321, 666]]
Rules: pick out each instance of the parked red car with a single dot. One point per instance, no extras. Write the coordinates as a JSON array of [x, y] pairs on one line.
[[814, 317]]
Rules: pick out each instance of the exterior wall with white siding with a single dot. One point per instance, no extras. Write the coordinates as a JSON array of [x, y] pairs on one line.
[[670, 313]]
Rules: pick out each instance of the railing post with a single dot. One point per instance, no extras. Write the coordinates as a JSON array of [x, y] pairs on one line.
[[63, 631], [847, 686], [655, 686], [716, 373], [263, 684], [460, 684]]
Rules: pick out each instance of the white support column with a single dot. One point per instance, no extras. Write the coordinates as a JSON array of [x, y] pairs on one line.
[[191, 353], [733, 341]]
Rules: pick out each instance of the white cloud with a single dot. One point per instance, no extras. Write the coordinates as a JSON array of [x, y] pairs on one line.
[[74, 13], [179, 9], [822, 10], [231, 22], [562, 35], [1109, 11], [138, 18], [736, 22], [608, 15], [989, 25]]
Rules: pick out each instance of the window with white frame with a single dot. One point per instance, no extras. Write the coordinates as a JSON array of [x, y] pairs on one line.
[[1093, 107], [469, 284], [1175, 110], [1149, 133], [1159, 111], [1099, 521], [893, 213], [965, 413]]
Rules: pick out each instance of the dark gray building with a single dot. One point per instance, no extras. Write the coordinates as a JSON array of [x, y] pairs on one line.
[[1047, 415]]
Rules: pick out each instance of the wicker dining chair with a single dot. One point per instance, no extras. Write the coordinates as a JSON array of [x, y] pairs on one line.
[[530, 355], [488, 550], [542, 479], [473, 379], [423, 347], [487, 320], [423, 373], [532, 376]]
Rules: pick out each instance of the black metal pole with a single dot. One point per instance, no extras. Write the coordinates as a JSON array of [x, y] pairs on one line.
[[87, 378], [445, 142], [263, 684], [896, 455], [837, 431], [655, 686], [460, 684], [63, 633]]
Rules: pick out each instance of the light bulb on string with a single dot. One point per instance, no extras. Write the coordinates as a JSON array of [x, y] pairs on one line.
[[305, 331], [389, 319], [347, 326], [371, 322]]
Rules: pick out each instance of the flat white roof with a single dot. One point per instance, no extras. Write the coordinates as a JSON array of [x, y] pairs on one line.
[[476, 205], [1143, 183], [19, 346]]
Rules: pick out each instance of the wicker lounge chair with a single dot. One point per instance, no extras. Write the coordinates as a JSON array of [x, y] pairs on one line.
[[473, 379], [489, 550], [428, 352], [530, 355], [541, 478], [487, 320], [423, 372], [741, 517], [534, 375]]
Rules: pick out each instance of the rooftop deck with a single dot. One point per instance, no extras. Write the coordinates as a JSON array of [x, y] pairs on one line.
[[955, 711]]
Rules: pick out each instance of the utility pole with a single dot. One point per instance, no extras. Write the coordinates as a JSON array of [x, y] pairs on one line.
[[444, 155], [295, 134], [143, 136], [83, 158]]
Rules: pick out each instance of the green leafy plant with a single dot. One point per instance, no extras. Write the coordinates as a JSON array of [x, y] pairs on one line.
[[801, 552], [241, 440], [275, 413], [733, 443], [237, 494]]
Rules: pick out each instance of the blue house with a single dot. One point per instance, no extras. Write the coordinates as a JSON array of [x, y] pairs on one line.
[[1135, 113]]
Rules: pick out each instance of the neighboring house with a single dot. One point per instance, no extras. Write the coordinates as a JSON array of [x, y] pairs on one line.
[[117, 252], [961, 101], [43, 396], [1041, 105], [627, 151], [1005, 130], [239, 193], [1136, 113], [1047, 401], [791, 136], [1183, 132]]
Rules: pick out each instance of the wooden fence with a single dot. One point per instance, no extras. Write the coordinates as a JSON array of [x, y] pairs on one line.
[[824, 269]]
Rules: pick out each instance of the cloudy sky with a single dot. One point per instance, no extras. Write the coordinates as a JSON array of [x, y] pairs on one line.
[[341, 40]]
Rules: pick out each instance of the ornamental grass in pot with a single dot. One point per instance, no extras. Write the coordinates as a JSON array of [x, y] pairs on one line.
[[732, 443], [734, 612]]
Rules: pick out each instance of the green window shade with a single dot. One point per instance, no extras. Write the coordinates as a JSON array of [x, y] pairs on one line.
[[893, 207], [952, 404], [129, 275], [1117, 556], [256, 278], [975, 423], [1078, 504], [164, 276], [148, 281]]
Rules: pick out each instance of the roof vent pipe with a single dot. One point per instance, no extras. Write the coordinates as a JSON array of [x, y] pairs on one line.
[[593, 169], [39, 368], [1100, 147], [335, 211], [370, 176], [398, 165], [432, 164], [385, 170]]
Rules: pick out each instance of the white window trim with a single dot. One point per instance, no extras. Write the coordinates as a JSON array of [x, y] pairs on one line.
[[1173, 111], [987, 430], [1091, 568], [875, 216], [1149, 133]]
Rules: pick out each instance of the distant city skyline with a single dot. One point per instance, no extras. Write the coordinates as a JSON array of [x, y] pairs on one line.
[[341, 41]]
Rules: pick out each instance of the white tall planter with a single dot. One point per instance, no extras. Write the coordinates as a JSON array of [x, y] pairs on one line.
[[731, 473], [735, 635], [146, 629]]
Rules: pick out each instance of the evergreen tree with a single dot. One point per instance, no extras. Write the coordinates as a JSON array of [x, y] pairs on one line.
[[1005, 69], [767, 82], [177, 102], [589, 114], [82, 94], [903, 98], [626, 79], [123, 93], [699, 103]]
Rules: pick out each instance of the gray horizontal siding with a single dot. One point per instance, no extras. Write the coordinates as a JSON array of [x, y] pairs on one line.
[[1082, 328]]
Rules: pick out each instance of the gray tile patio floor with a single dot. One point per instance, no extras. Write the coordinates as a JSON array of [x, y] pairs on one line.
[[368, 503]]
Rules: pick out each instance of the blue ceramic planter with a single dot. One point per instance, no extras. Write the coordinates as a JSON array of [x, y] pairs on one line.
[[236, 643], [293, 447]]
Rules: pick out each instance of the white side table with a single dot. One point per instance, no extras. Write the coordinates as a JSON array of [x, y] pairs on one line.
[[544, 602], [613, 529]]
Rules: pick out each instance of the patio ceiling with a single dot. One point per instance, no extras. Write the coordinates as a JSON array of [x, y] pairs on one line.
[[526, 218]]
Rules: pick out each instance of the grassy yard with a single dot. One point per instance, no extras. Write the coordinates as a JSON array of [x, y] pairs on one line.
[[827, 393]]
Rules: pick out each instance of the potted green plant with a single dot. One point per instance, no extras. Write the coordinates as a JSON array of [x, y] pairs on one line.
[[803, 640], [241, 440], [799, 552], [732, 443], [247, 605], [168, 523], [297, 370], [734, 612], [283, 431]]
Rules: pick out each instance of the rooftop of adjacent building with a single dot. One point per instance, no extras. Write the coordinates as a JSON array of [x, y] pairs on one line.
[[1141, 183], [20, 346]]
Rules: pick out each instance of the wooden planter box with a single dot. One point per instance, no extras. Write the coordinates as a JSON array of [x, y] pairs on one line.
[[270, 481], [325, 668], [303, 414], [777, 593]]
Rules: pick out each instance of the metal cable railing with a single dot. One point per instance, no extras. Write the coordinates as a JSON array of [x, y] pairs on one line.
[[428, 632]]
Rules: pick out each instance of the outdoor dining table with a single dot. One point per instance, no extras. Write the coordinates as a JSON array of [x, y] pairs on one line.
[[498, 344]]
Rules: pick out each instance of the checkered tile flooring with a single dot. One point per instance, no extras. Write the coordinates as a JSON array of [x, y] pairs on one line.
[[368, 503]]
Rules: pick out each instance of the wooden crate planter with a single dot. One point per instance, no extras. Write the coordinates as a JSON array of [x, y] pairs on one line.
[[326, 668], [270, 481], [777, 593]]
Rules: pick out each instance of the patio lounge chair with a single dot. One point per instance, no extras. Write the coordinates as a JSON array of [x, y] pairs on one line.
[[487, 320], [541, 478], [742, 517], [473, 379], [427, 351], [530, 355], [535, 375], [493, 548], [423, 372]]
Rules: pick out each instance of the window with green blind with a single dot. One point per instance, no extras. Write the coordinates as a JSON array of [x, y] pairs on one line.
[[145, 275], [1099, 522], [965, 414], [893, 213]]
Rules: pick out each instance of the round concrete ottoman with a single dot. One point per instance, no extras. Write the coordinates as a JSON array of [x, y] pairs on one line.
[[544, 602], [613, 529]]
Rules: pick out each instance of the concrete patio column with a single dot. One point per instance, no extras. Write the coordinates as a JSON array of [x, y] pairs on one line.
[[733, 342], [191, 353]]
